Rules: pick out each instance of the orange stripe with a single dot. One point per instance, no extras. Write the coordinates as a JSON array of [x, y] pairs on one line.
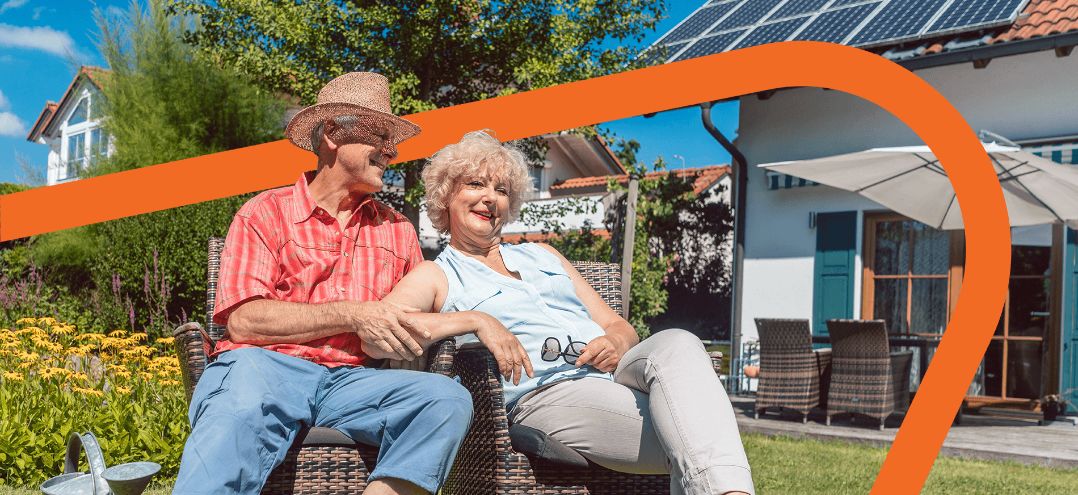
[[715, 77]]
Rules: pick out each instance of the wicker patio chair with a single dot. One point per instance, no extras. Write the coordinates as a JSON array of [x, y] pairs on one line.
[[792, 375], [502, 459], [866, 378], [321, 460]]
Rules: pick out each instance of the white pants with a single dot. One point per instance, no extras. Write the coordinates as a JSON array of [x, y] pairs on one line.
[[665, 412]]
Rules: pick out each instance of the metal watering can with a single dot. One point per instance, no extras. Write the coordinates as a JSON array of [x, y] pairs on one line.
[[126, 479]]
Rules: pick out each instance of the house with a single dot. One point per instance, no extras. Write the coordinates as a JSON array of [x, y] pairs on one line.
[[72, 127], [818, 253], [686, 308]]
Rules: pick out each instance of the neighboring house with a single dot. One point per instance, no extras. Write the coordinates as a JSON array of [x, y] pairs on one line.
[[72, 128], [816, 252], [686, 308], [569, 156]]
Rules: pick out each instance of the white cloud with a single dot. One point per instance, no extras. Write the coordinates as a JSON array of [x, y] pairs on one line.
[[11, 125], [42, 38], [38, 11], [12, 4], [4, 103]]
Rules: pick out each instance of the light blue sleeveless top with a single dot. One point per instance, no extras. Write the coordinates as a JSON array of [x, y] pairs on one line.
[[542, 305]]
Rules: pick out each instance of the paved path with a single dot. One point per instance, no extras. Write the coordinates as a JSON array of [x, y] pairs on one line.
[[978, 437]]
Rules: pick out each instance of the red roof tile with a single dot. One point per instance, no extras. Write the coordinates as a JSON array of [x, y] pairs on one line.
[[96, 76], [705, 177]]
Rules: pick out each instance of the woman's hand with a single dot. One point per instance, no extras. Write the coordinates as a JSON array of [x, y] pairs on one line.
[[603, 353], [512, 359]]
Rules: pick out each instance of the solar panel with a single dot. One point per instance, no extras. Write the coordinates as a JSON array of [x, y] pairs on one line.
[[719, 24], [898, 19], [711, 44], [775, 31], [749, 13], [962, 14], [834, 26], [697, 23], [797, 7], [660, 53]]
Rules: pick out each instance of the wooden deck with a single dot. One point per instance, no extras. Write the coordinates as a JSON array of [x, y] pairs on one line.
[[978, 437]]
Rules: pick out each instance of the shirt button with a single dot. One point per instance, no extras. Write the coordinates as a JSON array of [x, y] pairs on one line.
[[340, 289], [346, 254]]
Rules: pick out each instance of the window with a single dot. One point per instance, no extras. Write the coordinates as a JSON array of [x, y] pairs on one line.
[[99, 143], [81, 112], [76, 155], [1013, 366], [911, 271], [536, 173]]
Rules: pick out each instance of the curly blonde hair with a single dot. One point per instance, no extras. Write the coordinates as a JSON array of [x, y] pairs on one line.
[[478, 154]]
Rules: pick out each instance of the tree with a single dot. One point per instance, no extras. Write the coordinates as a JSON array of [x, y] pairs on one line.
[[435, 53]]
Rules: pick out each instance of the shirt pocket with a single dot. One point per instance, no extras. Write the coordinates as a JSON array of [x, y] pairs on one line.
[[306, 264], [558, 291], [376, 269]]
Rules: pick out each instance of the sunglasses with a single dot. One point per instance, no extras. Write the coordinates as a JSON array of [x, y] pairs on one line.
[[552, 350]]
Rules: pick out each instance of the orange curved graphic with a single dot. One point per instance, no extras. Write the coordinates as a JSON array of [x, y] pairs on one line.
[[623, 95]]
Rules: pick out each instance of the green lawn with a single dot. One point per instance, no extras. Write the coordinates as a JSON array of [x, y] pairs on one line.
[[783, 465]]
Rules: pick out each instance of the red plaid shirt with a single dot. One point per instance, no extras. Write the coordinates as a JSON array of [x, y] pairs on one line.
[[283, 247]]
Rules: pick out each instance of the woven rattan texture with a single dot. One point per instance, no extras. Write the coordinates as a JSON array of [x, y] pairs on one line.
[[866, 377], [487, 463], [306, 469], [792, 375]]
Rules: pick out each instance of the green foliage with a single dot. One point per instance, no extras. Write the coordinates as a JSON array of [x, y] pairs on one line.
[[435, 53], [164, 101], [8, 188]]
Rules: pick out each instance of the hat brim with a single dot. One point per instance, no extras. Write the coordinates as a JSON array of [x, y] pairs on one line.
[[299, 128]]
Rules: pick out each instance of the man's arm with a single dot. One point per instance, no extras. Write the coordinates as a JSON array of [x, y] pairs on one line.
[[380, 326]]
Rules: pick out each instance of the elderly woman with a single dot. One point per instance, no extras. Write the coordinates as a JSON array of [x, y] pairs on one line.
[[571, 366]]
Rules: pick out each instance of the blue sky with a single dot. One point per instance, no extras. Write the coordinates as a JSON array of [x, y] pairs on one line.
[[42, 44]]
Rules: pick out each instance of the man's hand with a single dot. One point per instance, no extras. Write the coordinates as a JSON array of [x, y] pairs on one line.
[[512, 359], [387, 328], [602, 353]]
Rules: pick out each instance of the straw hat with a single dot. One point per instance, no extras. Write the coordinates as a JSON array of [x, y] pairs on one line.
[[361, 94]]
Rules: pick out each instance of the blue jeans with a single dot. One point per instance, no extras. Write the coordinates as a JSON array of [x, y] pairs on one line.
[[250, 403]]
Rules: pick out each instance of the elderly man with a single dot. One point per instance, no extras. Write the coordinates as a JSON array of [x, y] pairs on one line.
[[302, 274]]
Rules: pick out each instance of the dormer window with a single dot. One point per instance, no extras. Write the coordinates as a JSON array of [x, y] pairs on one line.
[[81, 113]]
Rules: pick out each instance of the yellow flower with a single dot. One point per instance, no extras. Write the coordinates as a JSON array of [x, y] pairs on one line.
[[13, 376], [123, 390], [47, 320], [118, 333], [168, 383], [124, 373], [90, 336], [112, 343], [139, 337], [62, 329], [88, 391], [22, 321], [166, 340], [145, 375]]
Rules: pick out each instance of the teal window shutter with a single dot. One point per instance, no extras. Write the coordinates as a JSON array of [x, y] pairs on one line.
[[832, 289]]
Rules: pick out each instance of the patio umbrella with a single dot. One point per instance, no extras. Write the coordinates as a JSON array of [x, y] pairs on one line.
[[911, 181]]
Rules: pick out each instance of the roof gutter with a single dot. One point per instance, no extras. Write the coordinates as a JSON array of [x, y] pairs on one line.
[[739, 181], [998, 50]]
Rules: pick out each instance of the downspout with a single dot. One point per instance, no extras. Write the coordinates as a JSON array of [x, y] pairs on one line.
[[739, 180]]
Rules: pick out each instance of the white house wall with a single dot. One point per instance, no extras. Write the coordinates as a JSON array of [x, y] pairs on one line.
[[1020, 97]]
